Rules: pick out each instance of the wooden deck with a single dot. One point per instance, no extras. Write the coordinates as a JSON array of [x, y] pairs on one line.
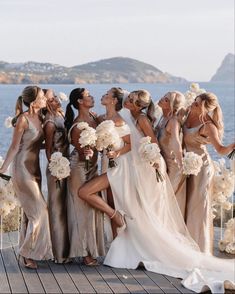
[[77, 278]]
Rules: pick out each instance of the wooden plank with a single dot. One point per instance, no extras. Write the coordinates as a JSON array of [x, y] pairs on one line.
[[4, 284], [95, 279], [162, 282], [31, 278], [63, 278], [79, 279], [47, 278], [128, 280], [177, 283], [15, 277], [112, 280], [145, 281]]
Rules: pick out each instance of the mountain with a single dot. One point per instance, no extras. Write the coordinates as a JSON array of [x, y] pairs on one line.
[[112, 70], [225, 73]]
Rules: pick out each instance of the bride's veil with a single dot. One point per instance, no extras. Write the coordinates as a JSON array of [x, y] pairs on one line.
[[157, 199]]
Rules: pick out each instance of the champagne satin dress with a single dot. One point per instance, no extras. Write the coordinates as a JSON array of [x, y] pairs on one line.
[[57, 195], [168, 149], [199, 219], [85, 224], [35, 240]]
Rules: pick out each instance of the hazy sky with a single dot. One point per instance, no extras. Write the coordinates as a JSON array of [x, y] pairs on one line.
[[187, 38]]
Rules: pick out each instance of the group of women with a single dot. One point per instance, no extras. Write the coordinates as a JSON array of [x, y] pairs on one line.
[[165, 225]]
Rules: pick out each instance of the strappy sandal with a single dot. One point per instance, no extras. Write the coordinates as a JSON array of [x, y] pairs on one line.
[[28, 263], [93, 262]]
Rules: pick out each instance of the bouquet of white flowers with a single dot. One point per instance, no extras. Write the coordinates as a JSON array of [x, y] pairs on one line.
[[87, 138], [192, 163], [150, 152], [8, 121], [62, 96], [194, 91], [59, 166], [107, 138], [223, 185], [228, 243], [8, 200]]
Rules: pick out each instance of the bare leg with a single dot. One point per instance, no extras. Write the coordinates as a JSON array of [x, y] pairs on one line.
[[111, 203], [88, 193]]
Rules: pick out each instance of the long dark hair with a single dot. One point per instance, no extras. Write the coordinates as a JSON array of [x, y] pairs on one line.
[[74, 96]]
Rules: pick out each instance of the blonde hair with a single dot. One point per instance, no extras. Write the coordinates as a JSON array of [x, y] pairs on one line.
[[177, 100], [211, 105], [144, 101]]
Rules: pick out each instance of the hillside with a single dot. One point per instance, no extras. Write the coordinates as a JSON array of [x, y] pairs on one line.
[[225, 73], [113, 70]]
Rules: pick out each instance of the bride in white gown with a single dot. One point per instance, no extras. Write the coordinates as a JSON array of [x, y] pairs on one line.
[[156, 234]]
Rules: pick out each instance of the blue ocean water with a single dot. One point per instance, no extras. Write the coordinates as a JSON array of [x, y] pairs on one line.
[[224, 92]]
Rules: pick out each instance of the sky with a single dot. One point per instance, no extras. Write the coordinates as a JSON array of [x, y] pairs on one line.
[[186, 38]]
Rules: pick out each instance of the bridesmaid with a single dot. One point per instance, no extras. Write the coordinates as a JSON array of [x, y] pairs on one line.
[[168, 132], [113, 93], [35, 241], [85, 224], [204, 125], [56, 141]]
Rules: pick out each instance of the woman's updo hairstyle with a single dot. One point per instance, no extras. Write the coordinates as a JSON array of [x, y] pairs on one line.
[[144, 101], [74, 96], [118, 93]]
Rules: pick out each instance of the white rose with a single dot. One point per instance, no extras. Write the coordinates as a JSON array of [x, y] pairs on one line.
[[62, 96], [194, 87], [8, 121], [82, 126], [56, 156]]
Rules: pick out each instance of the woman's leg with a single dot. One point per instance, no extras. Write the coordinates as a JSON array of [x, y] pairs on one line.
[[88, 193]]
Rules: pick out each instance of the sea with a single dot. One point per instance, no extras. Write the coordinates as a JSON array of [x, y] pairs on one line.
[[224, 92]]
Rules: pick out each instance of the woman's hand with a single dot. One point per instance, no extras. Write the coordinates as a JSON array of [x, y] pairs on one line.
[[113, 154], [88, 152]]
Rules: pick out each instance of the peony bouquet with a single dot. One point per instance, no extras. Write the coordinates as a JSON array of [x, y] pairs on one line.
[[223, 185], [8, 121], [191, 94], [150, 152], [87, 139], [62, 96], [8, 200], [59, 166], [108, 139], [228, 243], [192, 163]]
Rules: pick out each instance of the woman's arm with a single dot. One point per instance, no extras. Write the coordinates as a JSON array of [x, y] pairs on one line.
[[146, 128], [49, 131], [173, 127], [20, 127], [211, 131]]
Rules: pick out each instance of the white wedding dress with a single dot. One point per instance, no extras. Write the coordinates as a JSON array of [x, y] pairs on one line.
[[156, 234]]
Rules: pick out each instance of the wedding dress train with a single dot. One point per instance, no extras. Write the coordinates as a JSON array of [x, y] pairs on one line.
[[156, 234]]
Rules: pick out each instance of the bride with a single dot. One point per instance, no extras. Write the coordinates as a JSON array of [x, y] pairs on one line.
[[156, 234]]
